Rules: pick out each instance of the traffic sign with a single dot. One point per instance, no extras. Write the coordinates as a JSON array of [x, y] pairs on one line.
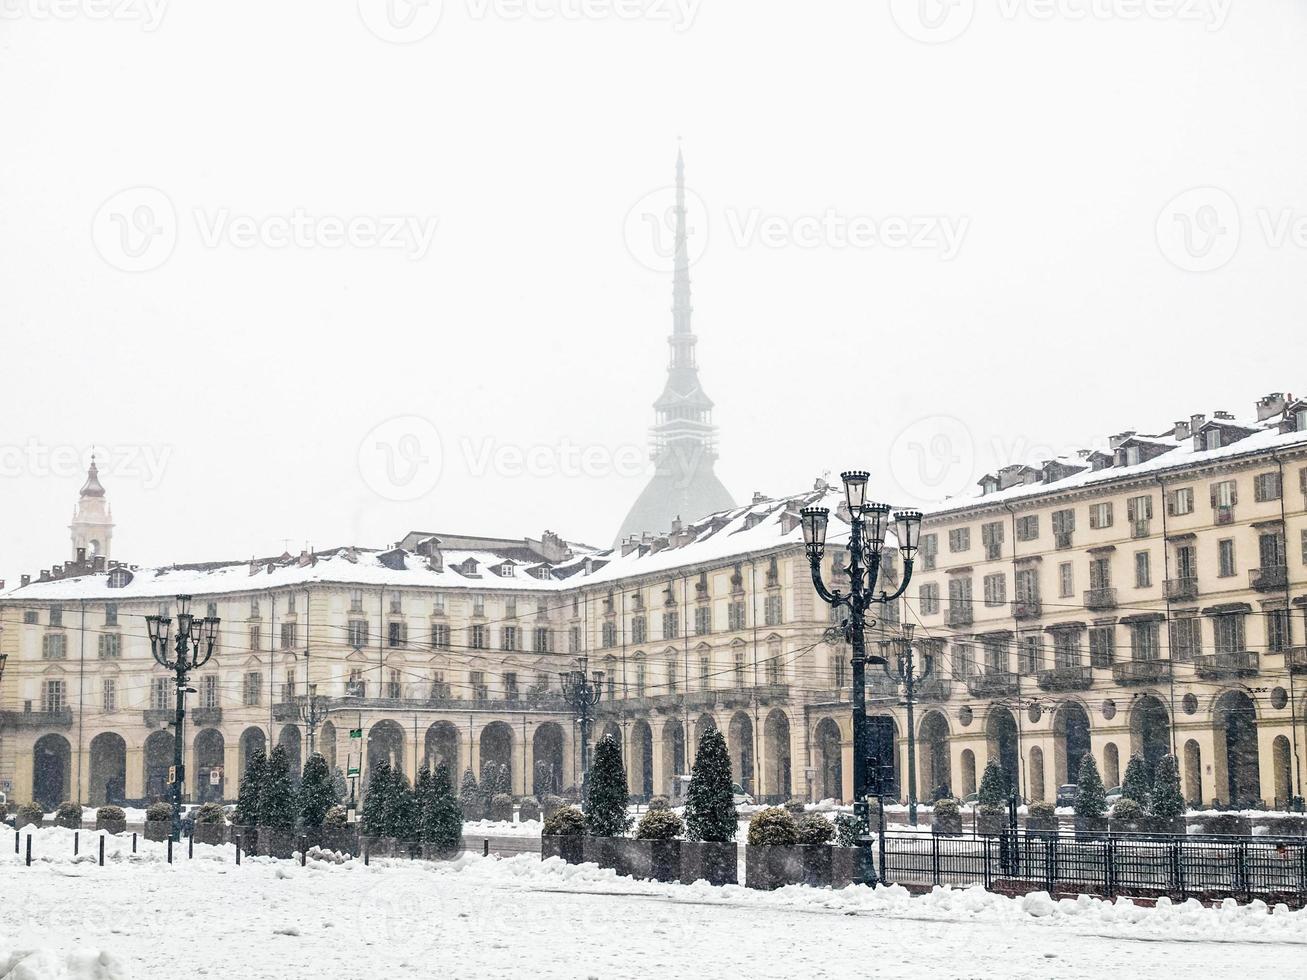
[[356, 733]]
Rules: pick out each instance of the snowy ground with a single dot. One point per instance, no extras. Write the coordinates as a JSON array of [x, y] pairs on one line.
[[138, 917]]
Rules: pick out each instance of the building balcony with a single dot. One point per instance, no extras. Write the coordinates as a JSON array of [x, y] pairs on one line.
[[1129, 672], [700, 700], [59, 718], [1269, 578], [1104, 598], [958, 615], [1221, 666], [1027, 608], [206, 716], [1182, 589], [1066, 679], [285, 711], [880, 687], [158, 717], [1295, 658], [554, 702], [992, 684], [933, 689]]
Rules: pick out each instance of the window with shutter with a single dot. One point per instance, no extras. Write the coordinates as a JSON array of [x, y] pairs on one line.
[[1266, 486], [1181, 501]]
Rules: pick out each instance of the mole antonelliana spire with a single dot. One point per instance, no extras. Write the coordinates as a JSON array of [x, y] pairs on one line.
[[684, 450]]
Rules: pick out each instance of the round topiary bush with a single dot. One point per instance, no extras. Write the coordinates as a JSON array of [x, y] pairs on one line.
[[815, 829], [110, 814], [336, 816], [552, 804], [659, 803], [68, 815], [660, 825], [159, 812], [773, 826], [528, 809], [795, 808], [32, 813], [501, 807], [1127, 809], [1042, 811], [211, 813], [947, 808], [568, 821]]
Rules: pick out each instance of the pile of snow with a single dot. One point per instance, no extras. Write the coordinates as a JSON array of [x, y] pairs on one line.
[[46, 964], [502, 828]]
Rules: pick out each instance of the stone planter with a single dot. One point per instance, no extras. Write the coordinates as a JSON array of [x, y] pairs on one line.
[[1041, 826], [852, 866], [1286, 827], [111, 826], [655, 860], [1139, 826], [209, 833], [1167, 826], [342, 839], [570, 849], [946, 824], [1088, 828], [20, 822], [378, 847], [716, 862], [440, 852], [991, 824], [613, 853], [500, 811], [158, 829], [777, 865], [276, 842], [247, 838], [1224, 825], [69, 823]]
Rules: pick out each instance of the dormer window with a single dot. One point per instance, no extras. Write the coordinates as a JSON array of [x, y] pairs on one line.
[[1300, 420], [506, 570]]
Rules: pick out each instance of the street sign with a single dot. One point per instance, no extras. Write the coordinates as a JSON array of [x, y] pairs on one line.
[[352, 771], [215, 776], [172, 774], [356, 733]]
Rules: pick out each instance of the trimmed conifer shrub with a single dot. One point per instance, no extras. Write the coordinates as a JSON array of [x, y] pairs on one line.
[[442, 816], [1168, 801], [374, 803], [772, 827], [32, 813], [1091, 800], [211, 813], [660, 825], [1135, 786], [1042, 811], [317, 792], [814, 829], [659, 803], [401, 818], [710, 800], [469, 794], [528, 809], [277, 799], [566, 822], [251, 788], [947, 807], [993, 794], [605, 806]]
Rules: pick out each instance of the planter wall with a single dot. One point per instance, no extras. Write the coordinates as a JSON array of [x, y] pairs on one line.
[[1091, 826], [657, 860], [1041, 825], [378, 847], [276, 842], [111, 826], [852, 866], [209, 833], [343, 839], [777, 865], [991, 824], [714, 862], [440, 852], [947, 825], [21, 822], [157, 829], [246, 837], [570, 849], [1224, 824]]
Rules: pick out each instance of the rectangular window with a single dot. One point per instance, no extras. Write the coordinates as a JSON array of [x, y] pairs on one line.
[[574, 639], [1277, 630], [638, 630], [478, 605], [1143, 569], [510, 607], [252, 691], [1225, 566], [1143, 641], [53, 646], [1266, 486], [161, 692], [396, 634], [111, 646], [964, 661], [608, 635], [288, 631], [1271, 551], [705, 669], [440, 636], [772, 610], [1028, 527], [509, 639], [56, 615], [739, 665], [995, 589], [702, 620], [111, 614], [544, 641], [254, 609], [1065, 580], [1066, 649], [1186, 638], [356, 686], [735, 616], [288, 686], [394, 685], [959, 539], [1229, 632], [358, 633], [510, 686], [1100, 573], [1027, 586], [1064, 524], [109, 694], [1102, 646], [209, 691], [53, 696], [992, 536], [929, 599], [1224, 496], [1100, 515], [671, 675], [478, 637], [839, 668], [438, 604], [1139, 512], [30, 617], [929, 551], [290, 605], [396, 602], [1031, 646], [356, 600], [1182, 501]]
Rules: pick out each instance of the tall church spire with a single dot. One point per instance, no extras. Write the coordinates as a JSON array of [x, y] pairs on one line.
[[684, 437], [92, 526]]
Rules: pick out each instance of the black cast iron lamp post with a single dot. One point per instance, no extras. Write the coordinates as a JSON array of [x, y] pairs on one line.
[[191, 649], [868, 523], [583, 695], [903, 672]]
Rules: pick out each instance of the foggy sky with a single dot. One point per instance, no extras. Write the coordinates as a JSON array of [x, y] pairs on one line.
[[919, 253]]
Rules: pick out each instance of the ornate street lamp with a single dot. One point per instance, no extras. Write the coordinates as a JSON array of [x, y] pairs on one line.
[[904, 673], [583, 694], [868, 525], [191, 649], [313, 711]]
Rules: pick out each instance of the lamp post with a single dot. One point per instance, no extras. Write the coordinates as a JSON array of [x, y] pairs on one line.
[[868, 523], [191, 648], [313, 711], [583, 694], [904, 672]]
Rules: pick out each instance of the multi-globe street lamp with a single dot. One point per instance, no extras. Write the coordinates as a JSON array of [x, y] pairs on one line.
[[868, 524], [583, 694], [191, 648], [313, 711], [904, 672]]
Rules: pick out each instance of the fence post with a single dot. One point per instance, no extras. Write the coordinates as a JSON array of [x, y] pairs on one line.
[[485, 847], [102, 850], [238, 851], [987, 879], [17, 836], [365, 856], [190, 845], [77, 842], [29, 850], [133, 842], [1050, 859], [304, 851], [934, 856], [1108, 856], [170, 849], [1245, 880]]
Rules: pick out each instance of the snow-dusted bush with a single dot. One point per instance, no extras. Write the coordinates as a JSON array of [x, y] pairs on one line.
[[566, 822], [660, 825], [795, 808], [848, 830], [159, 812], [337, 816], [1127, 809], [528, 809], [110, 814], [211, 813], [992, 798], [501, 807], [710, 801], [1168, 800], [1042, 811], [773, 826], [605, 805], [317, 792], [69, 815], [948, 807], [1091, 799], [1135, 785], [815, 829], [32, 813], [659, 803]]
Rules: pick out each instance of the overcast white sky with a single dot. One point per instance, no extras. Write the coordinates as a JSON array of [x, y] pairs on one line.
[[1054, 286]]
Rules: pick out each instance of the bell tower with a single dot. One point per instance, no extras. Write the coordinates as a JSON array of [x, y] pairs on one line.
[[92, 526]]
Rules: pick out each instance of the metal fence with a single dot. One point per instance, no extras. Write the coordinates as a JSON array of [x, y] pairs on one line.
[[1203, 867]]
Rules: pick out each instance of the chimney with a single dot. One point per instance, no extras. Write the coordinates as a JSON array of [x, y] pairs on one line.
[[1181, 431], [1196, 423], [1121, 437], [97, 563], [629, 545], [758, 497], [25, 581], [1223, 416], [81, 556], [45, 575], [1269, 405]]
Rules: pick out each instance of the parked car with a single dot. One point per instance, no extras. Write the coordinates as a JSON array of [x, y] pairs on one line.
[[1067, 793], [680, 788], [1113, 795], [740, 797], [971, 799]]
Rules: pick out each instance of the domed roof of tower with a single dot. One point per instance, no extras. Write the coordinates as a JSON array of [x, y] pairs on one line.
[[92, 487]]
